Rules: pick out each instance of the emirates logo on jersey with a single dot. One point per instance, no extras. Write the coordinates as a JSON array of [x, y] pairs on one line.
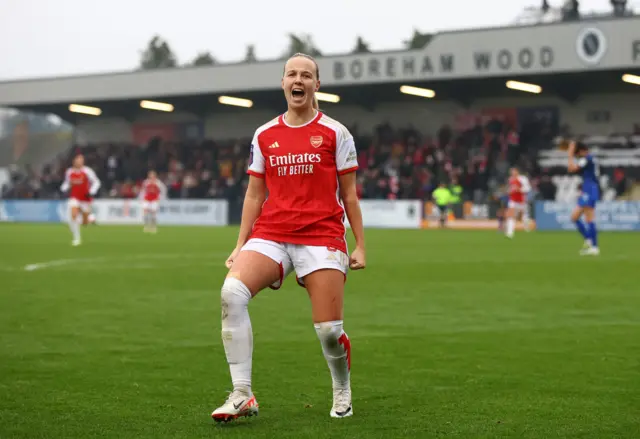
[[294, 164], [316, 141]]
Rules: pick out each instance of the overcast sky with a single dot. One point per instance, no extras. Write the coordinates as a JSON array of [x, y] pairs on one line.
[[65, 37]]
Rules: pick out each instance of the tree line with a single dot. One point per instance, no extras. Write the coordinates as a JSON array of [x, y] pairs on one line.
[[158, 54]]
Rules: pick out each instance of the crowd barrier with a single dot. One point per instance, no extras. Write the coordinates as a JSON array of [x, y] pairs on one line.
[[392, 214], [610, 215], [398, 214], [170, 212], [119, 211], [32, 211]]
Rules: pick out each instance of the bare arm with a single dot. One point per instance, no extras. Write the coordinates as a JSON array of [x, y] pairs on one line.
[[163, 190], [66, 183], [143, 189], [94, 180], [349, 197], [572, 166], [251, 208]]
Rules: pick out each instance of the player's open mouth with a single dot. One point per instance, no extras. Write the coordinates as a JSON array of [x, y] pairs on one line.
[[297, 93]]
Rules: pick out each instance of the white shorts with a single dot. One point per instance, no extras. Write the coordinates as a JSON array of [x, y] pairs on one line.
[[304, 259], [85, 206], [150, 205], [519, 207]]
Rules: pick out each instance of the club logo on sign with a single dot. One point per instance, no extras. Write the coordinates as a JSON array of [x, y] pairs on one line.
[[316, 141], [591, 45]]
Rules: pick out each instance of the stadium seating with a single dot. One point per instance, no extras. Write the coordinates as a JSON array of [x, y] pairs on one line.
[[395, 164]]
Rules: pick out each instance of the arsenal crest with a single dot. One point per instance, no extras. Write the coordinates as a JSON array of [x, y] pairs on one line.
[[316, 141]]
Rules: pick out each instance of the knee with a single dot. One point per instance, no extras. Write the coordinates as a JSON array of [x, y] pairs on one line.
[[234, 296], [329, 333], [589, 216]]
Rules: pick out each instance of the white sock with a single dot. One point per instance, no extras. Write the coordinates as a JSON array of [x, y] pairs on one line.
[[511, 226], [74, 226], [237, 336], [336, 347], [525, 222]]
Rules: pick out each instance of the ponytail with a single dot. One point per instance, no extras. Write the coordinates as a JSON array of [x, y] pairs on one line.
[[316, 105]]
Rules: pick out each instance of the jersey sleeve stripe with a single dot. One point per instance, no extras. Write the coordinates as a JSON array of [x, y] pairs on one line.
[[335, 125], [348, 170], [266, 126], [255, 174]]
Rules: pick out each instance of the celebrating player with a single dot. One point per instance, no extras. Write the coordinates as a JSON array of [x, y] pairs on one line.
[[307, 162], [587, 167], [82, 184], [151, 192], [519, 188]]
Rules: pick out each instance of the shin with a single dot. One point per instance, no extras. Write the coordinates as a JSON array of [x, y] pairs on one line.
[[336, 348], [237, 335]]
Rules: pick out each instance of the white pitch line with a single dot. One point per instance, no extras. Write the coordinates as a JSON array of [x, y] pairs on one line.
[[56, 263], [63, 262]]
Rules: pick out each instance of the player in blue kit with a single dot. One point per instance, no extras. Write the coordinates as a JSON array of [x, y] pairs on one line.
[[583, 163]]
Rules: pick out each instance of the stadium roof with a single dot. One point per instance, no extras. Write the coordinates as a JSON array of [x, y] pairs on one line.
[[556, 55]]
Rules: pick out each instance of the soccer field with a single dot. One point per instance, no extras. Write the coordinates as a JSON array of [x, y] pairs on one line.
[[455, 334]]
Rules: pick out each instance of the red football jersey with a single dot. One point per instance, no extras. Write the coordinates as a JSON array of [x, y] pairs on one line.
[[153, 190], [301, 166], [83, 183], [518, 189]]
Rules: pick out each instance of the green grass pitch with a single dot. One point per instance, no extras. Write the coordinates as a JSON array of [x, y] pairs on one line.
[[455, 335]]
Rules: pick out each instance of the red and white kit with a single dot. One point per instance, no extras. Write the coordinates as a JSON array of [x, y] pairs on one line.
[[82, 184], [519, 187], [151, 192], [301, 225]]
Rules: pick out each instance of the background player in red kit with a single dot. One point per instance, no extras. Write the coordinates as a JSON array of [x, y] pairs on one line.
[[151, 192], [519, 188], [82, 184], [307, 162]]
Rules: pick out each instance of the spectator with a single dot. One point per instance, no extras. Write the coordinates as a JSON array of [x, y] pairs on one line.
[[547, 189], [395, 164]]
